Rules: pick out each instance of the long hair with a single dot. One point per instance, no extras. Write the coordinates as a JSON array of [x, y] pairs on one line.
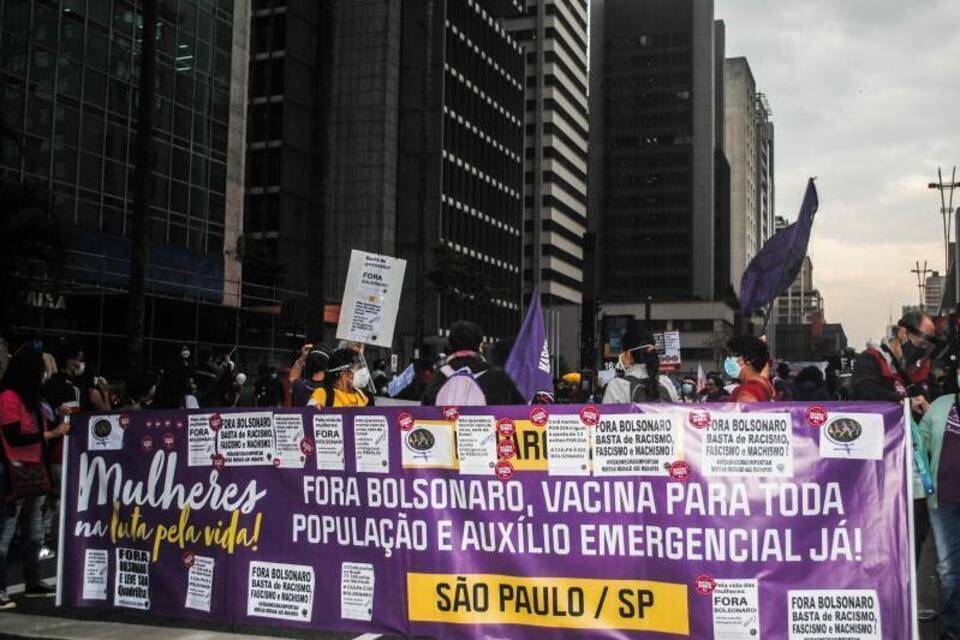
[[24, 376]]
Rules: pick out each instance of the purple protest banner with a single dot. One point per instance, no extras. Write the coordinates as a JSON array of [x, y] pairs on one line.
[[613, 521]]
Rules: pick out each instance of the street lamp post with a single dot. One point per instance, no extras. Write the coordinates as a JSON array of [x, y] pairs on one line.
[[946, 209]]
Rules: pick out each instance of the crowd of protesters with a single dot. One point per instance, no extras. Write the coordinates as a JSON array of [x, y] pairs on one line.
[[39, 390]]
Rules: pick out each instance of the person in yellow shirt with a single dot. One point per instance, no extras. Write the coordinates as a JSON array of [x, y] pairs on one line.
[[346, 376]]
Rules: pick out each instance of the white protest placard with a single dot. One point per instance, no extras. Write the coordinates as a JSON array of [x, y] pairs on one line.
[[95, 565], [736, 610], [105, 433], [834, 614], [668, 347], [281, 591], [132, 580], [642, 444], [429, 446], [748, 445], [856, 436], [247, 439], [328, 439], [371, 438], [356, 591], [371, 298], [200, 584], [568, 446], [201, 440], [477, 444], [288, 428]]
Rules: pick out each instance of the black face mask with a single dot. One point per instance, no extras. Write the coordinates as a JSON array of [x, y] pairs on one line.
[[912, 353]]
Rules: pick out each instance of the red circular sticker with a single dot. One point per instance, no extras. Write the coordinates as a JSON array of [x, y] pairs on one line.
[[149, 424], [506, 449], [167, 422], [125, 421], [179, 424], [307, 446], [539, 416], [704, 584], [506, 428], [699, 418], [817, 416], [188, 559], [146, 443], [169, 442], [405, 420], [590, 415], [219, 461], [679, 470], [216, 422], [277, 462], [451, 413], [504, 470]]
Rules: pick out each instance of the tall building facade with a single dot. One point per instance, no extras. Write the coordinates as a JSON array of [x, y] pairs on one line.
[[460, 169], [653, 149], [555, 35], [749, 139], [288, 104], [69, 86]]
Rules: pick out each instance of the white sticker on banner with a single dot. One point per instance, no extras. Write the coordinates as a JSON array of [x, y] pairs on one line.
[[628, 444], [568, 446], [289, 453], [748, 445], [201, 440], [428, 446], [371, 437], [132, 581], [281, 591], [856, 436], [200, 583], [833, 614], [328, 438], [356, 591], [246, 439], [105, 433], [477, 444], [736, 610], [96, 563]]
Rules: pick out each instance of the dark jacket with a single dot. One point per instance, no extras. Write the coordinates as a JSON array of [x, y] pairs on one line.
[[872, 381], [496, 385]]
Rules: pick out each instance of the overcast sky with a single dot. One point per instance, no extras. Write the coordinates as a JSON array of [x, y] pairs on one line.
[[865, 96]]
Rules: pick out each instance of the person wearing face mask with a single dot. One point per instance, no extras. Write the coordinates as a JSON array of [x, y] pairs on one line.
[[892, 372], [746, 362], [688, 390], [343, 384], [640, 363]]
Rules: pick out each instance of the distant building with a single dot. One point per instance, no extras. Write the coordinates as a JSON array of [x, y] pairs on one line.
[[69, 76], [749, 145], [933, 293], [810, 341], [555, 36], [460, 169]]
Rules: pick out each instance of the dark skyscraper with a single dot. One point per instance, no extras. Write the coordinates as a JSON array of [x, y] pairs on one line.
[[460, 169], [69, 74], [653, 144]]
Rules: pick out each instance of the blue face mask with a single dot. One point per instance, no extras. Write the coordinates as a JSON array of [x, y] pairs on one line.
[[688, 389], [731, 367]]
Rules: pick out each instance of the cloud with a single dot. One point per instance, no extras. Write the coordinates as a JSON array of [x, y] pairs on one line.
[[864, 97]]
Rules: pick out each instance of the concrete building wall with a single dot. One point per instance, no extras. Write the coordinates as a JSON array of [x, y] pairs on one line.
[[704, 144], [741, 149]]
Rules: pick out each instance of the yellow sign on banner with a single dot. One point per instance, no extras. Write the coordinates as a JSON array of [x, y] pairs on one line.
[[567, 603]]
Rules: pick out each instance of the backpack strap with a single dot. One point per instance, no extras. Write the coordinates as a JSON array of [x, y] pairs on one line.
[[329, 395], [635, 383]]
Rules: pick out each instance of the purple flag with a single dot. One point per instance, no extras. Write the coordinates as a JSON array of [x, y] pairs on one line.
[[773, 270], [529, 362]]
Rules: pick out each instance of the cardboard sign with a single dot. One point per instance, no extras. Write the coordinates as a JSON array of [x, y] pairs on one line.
[[371, 298]]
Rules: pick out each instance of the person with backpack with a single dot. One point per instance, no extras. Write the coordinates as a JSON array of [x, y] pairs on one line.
[[343, 384], [465, 379], [640, 364]]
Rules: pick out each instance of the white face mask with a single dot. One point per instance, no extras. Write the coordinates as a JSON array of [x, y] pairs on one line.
[[79, 368], [240, 379], [361, 378], [185, 354], [604, 376]]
